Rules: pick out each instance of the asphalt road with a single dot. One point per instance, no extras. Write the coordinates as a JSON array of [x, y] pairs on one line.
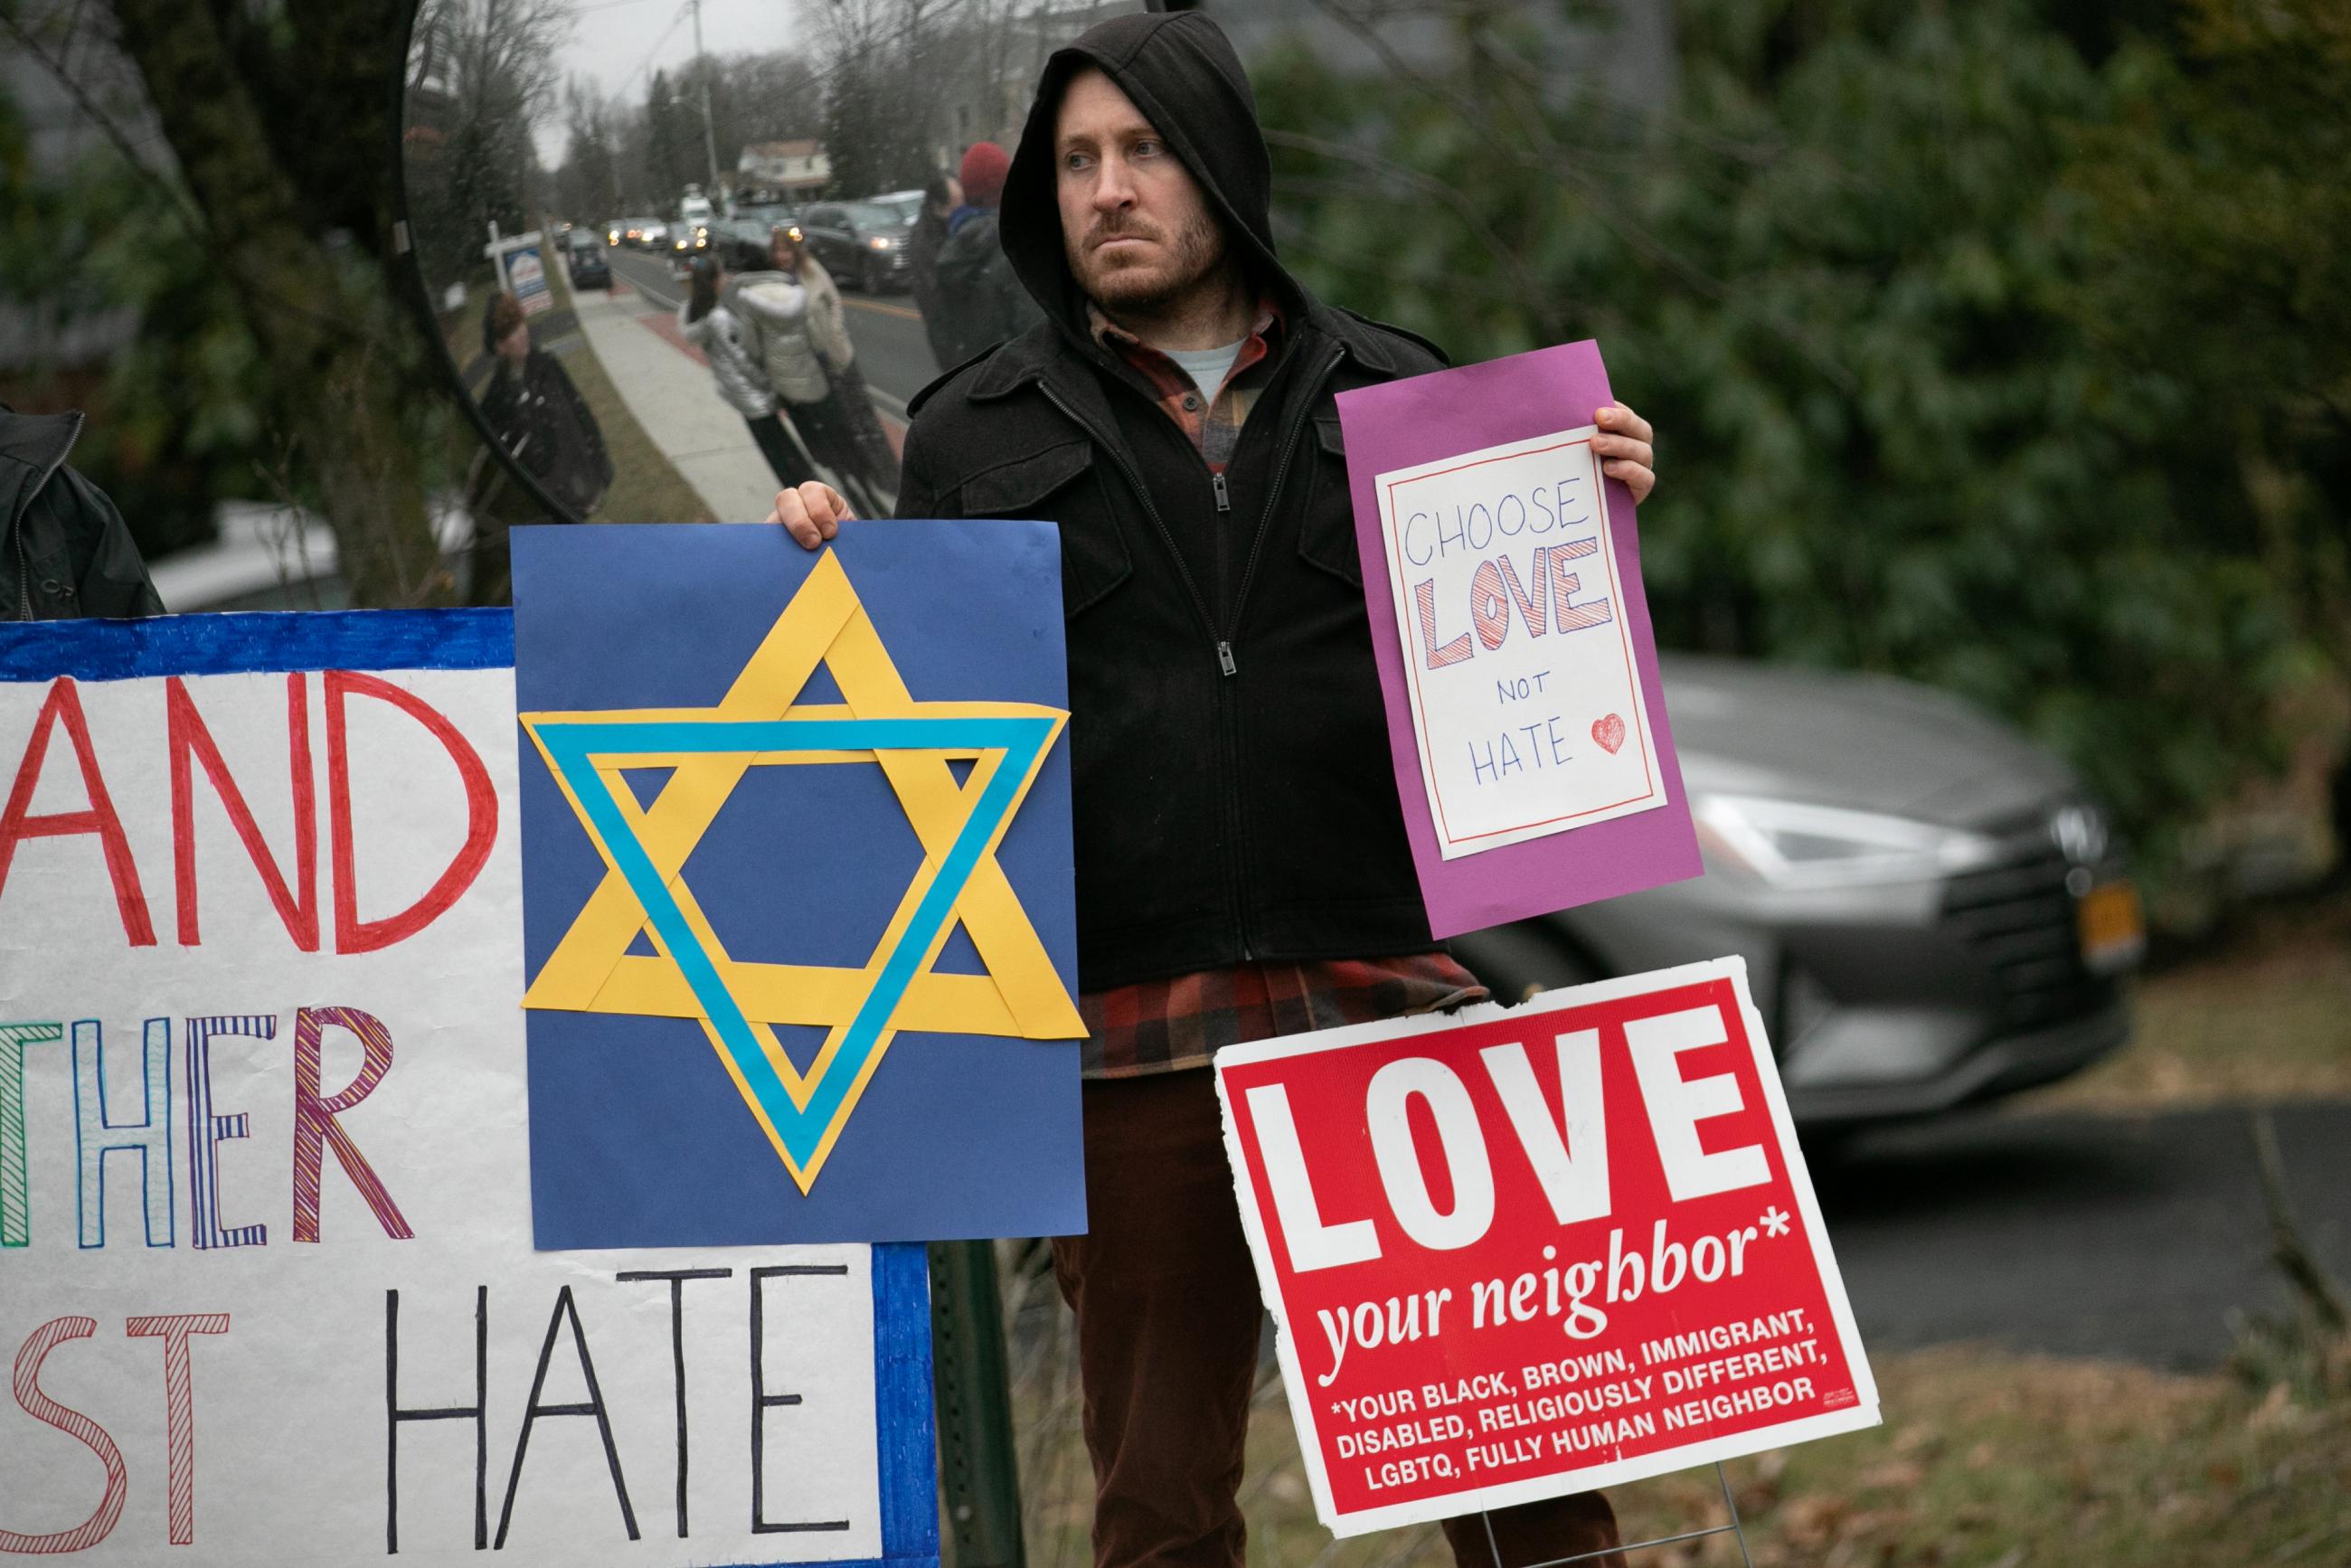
[[892, 348], [2133, 1237]]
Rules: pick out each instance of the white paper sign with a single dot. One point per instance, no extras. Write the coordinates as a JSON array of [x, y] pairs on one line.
[[266, 1274], [1526, 703]]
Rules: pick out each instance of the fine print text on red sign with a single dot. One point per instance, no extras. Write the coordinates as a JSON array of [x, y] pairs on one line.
[[1515, 1253]]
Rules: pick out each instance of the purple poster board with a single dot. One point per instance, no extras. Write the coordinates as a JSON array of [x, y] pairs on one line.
[[1520, 861]]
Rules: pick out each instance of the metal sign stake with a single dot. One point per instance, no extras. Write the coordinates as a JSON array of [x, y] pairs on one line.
[[1736, 1526]]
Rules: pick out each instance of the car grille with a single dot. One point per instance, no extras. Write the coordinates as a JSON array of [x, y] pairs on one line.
[[2018, 913]]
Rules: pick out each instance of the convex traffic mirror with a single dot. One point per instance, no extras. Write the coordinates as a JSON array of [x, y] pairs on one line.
[[680, 255]]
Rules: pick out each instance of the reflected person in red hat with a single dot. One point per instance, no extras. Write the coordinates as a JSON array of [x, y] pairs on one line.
[[979, 302]]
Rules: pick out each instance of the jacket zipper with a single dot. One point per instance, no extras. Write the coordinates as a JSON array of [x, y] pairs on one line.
[[1272, 493], [1224, 661], [1236, 875], [1228, 665], [1225, 647]]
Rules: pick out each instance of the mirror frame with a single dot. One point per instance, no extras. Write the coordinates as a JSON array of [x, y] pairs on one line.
[[410, 257]]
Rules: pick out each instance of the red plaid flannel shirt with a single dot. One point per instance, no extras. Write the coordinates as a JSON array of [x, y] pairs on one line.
[[1158, 1026], [1214, 424]]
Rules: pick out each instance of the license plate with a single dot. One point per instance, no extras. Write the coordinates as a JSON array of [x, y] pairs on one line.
[[2113, 927]]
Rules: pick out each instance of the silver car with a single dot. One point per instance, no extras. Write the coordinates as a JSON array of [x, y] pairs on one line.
[[1932, 909]]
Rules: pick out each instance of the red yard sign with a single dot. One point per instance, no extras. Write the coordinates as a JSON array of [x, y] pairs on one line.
[[1515, 1254]]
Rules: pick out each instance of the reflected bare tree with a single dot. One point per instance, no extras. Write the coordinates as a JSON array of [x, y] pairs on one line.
[[480, 73]]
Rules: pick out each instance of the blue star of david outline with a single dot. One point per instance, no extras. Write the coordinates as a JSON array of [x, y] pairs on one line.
[[575, 746]]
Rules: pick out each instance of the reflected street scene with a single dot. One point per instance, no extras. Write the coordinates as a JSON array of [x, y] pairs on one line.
[[682, 254]]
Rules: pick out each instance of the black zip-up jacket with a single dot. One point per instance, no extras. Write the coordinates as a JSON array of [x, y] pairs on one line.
[[1234, 797], [65, 550]]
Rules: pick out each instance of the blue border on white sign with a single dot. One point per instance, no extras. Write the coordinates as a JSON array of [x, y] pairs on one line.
[[264, 642], [905, 1446]]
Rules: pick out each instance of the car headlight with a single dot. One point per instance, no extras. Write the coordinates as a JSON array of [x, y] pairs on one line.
[[1792, 843], [879, 243]]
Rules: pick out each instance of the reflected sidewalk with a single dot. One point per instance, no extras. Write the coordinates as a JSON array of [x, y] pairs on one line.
[[669, 393]]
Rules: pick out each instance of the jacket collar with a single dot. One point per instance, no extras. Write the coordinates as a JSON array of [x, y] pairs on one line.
[[1047, 353]]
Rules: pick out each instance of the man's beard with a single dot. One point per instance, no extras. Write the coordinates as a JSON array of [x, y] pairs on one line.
[[1194, 252]]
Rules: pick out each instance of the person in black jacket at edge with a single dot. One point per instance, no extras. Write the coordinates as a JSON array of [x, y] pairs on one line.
[[1241, 864], [66, 551]]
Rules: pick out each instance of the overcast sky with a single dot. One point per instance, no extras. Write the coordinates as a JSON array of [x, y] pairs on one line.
[[619, 44]]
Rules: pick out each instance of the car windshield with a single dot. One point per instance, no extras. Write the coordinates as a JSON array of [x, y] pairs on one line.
[[879, 214]]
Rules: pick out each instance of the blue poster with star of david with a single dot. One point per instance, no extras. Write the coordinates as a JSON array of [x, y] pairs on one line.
[[798, 926]]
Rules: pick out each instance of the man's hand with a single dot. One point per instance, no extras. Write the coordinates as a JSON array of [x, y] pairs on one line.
[[1623, 447], [814, 512]]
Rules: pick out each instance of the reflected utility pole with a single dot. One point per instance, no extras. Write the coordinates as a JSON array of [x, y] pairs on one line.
[[702, 61]]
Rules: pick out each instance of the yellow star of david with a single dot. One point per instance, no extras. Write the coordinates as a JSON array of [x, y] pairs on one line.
[[759, 722]]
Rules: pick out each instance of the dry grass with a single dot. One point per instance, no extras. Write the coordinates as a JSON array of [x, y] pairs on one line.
[[2267, 1017], [1987, 1460]]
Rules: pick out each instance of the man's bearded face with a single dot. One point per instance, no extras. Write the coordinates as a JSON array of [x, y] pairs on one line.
[[1136, 227]]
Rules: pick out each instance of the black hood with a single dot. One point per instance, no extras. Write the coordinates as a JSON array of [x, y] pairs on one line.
[[1180, 70]]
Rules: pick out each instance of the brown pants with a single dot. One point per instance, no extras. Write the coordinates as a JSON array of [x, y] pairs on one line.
[[1168, 1321]]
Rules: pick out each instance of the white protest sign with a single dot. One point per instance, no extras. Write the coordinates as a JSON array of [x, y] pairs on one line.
[[267, 1283], [1518, 655]]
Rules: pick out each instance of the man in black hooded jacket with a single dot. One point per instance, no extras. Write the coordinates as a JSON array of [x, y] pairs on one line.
[[1241, 861]]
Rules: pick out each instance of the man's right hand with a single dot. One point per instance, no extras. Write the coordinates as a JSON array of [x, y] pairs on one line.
[[813, 512]]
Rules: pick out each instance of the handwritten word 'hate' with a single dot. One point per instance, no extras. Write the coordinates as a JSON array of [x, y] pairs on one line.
[[178, 1332]]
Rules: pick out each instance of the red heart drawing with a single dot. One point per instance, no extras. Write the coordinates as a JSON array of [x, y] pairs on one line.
[[1609, 732]]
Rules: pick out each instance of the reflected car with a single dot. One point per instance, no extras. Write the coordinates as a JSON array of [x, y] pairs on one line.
[[1933, 909], [863, 243], [685, 242], [766, 214], [741, 241], [583, 253]]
